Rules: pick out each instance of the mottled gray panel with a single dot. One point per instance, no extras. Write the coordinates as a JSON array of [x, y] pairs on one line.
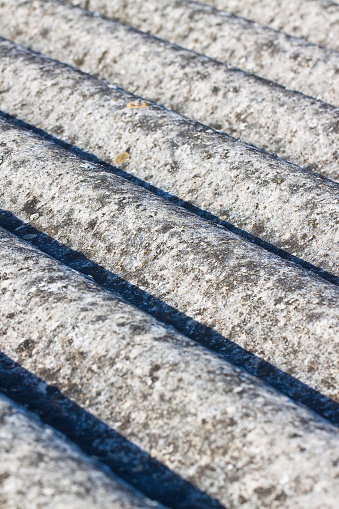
[[284, 314], [219, 428]]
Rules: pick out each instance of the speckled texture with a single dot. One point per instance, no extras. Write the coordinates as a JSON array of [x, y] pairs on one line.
[[314, 20], [257, 49], [40, 469], [284, 314], [235, 182], [216, 426], [164, 409], [295, 127]]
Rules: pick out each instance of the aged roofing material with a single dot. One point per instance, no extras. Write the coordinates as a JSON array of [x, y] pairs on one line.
[[236, 182], [151, 307], [183, 404], [39, 468], [297, 128], [254, 48], [314, 20], [274, 309]]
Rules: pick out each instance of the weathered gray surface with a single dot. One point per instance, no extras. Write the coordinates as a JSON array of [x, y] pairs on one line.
[[293, 126], [314, 20], [40, 469], [284, 205], [257, 49], [181, 411], [284, 314], [216, 426]]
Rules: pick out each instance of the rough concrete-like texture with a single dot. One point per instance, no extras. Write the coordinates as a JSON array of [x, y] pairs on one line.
[[284, 314], [40, 469], [314, 20], [215, 425], [260, 50], [284, 205], [291, 125]]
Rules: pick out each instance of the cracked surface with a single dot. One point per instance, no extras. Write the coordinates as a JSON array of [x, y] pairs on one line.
[[283, 314], [40, 469], [218, 427]]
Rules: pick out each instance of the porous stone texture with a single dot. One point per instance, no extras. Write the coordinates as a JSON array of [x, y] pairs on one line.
[[40, 469], [314, 20], [291, 125], [218, 427], [284, 314], [278, 202], [292, 62]]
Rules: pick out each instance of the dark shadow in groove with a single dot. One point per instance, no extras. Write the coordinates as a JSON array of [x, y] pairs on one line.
[[233, 353], [182, 203], [95, 438]]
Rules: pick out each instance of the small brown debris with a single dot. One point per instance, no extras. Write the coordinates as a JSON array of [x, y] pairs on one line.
[[136, 104], [120, 158]]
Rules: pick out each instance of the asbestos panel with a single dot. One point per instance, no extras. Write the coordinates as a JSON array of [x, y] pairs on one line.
[[284, 314], [216, 426]]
